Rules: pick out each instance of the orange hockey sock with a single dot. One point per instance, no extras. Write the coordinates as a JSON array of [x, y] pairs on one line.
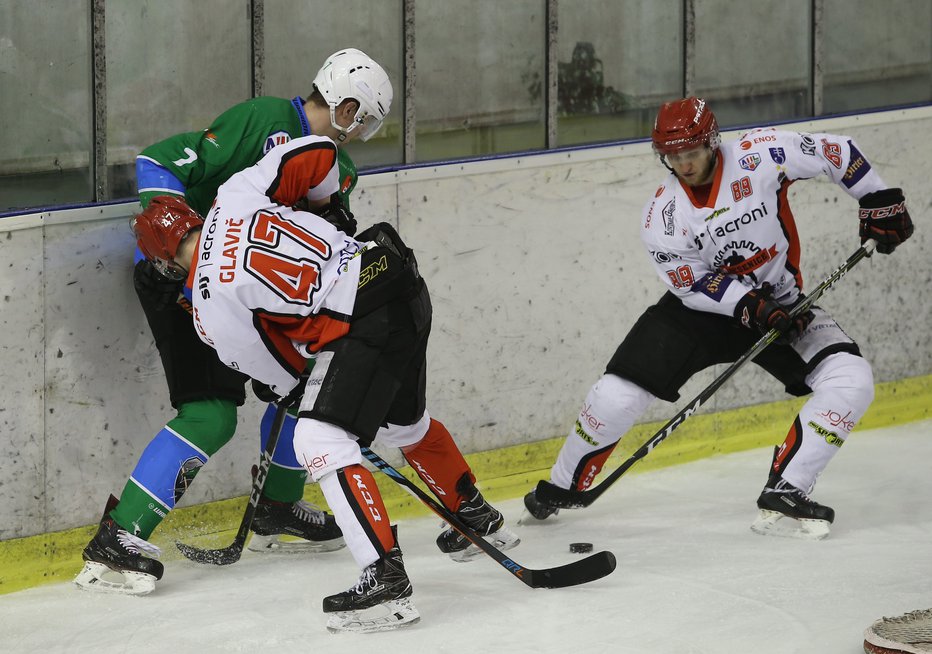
[[438, 462]]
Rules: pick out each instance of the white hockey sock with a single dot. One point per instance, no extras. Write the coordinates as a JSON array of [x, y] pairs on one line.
[[843, 388], [612, 406]]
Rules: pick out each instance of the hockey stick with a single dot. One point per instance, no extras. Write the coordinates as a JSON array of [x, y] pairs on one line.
[[578, 572], [231, 553], [548, 493]]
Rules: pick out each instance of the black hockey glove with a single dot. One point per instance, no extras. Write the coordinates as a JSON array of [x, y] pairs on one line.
[[885, 219], [338, 215], [757, 309], [153, 288], [293, 399]]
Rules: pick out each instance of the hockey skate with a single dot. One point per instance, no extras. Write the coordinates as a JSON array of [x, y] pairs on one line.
[[115, 561], [380, 600], [535, 510], [787, 511], [314, 530], [482, 518]]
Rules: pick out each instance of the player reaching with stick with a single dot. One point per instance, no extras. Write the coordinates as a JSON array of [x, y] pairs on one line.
[[722, 237]]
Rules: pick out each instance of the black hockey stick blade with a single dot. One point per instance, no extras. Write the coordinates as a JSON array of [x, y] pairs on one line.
[[223, 556], [578, 572], [596, 566], [231, 553], [563, 498]]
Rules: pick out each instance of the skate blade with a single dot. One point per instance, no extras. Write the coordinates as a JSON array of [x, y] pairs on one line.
[[387, 616], [99, 578], [503, 539], [774, 523], [288, 545]]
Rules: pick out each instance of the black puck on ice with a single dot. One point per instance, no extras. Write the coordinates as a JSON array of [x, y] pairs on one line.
[[580, 548]]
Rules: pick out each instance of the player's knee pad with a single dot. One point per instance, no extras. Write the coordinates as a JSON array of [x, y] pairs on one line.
[[322, 448], [845, 380], [167, 467], [843, 388], [207, 424], [612, 406], [404, 435]]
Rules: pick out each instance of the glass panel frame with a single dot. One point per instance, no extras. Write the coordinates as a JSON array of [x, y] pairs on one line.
[[45, 107], [466, 45]]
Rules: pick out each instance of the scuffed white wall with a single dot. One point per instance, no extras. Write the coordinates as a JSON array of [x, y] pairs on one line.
[[536, 272]]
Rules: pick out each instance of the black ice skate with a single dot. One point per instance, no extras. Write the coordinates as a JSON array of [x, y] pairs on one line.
[[536, 510], [316, 529], [482, 518], [379, 601], [788, 511], [114, 560]]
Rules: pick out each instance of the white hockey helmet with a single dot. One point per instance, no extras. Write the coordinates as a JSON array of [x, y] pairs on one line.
[[352, 74]]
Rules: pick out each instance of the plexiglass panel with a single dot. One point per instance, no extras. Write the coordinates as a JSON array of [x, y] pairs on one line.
[[300, 35], [172, 66], [876, 53], [480, 77], [618, 61], [45, 103], [753, 59]]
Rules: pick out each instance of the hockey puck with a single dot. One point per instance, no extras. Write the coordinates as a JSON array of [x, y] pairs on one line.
[[580, 548]]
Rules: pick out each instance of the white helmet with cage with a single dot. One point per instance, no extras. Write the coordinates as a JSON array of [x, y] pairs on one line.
[[352, 74]]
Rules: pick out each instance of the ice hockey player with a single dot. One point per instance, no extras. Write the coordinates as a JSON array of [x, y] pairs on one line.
[[722, 238], [273, 286], [204, 391]]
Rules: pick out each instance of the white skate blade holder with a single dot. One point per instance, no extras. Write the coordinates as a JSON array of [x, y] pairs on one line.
[[99, 578], [279, 544], [774, 523], [387, 616]]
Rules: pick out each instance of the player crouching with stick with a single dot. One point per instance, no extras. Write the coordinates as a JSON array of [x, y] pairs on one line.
[[272, 286]]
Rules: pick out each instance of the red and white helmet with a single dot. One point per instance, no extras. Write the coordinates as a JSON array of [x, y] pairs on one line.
[[160, 228], [352, 74], [684, 124]]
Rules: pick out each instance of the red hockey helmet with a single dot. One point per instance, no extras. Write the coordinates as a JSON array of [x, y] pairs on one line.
[[684, 124], [161, 227]]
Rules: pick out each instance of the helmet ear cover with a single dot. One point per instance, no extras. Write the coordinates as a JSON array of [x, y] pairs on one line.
[[685, 124], [161, 227]]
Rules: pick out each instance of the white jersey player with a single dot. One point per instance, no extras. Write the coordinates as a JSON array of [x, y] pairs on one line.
[[721, 236], [271, 286]]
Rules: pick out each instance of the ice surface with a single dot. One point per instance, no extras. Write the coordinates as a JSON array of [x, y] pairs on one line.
[[691, 576]]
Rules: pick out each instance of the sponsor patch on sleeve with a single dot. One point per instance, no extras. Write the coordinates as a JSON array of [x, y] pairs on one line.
[[858, 166], [713, 285]]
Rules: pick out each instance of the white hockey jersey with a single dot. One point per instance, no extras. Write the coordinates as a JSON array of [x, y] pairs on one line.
[[711, 254], [271, 285]]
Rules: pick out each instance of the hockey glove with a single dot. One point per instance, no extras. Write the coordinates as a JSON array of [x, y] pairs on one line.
[[293, 399], [339, 215], [885, 219], [153, 288], [758, 310]]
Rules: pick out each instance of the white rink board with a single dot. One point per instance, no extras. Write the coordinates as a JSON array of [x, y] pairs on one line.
[[536, 273]]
